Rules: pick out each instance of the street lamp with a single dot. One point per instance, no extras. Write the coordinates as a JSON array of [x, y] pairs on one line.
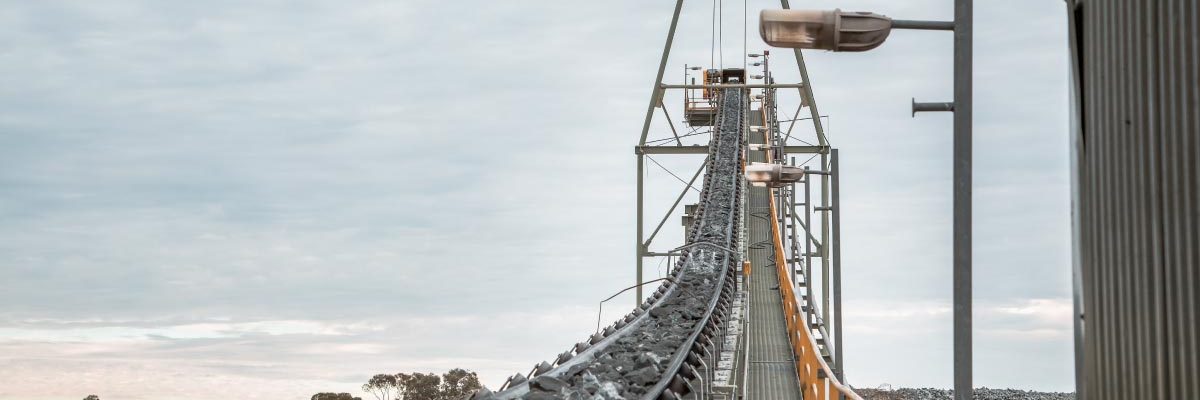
[[773, 175], [686, 74], [839, 31], [824, 29]]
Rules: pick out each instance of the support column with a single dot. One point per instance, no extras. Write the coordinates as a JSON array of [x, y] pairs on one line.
[[825, 241], [655, 97], [809, 99], [656, 93], [808, 246], [788, 204], [963, 360], [837, 269], [640, 250]]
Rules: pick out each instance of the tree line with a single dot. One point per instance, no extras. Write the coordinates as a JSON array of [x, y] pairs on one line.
[[455, 384]]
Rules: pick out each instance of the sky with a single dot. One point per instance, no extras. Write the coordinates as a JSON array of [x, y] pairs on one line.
[[278, 198]]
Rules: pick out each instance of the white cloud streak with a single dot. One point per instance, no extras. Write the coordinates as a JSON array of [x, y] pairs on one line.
[[287, 197]]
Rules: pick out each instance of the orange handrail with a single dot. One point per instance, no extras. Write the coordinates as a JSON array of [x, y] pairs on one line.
[[816, 378]]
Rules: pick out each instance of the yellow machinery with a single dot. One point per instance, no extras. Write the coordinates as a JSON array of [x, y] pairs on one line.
[[699, 108]]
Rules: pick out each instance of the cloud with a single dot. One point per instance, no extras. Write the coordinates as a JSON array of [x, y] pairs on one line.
[[885, 339], [285, 197], [117, 331], [268, 359]]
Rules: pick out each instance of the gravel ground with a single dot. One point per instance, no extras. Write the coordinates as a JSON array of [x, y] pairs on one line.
[[940, 394]]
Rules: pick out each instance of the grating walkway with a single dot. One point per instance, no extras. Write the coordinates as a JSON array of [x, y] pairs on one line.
[[771, 372]]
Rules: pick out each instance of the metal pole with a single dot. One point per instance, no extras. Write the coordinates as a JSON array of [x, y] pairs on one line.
[[662, 67], [640, 250], [930, 107], [670, 123], [654, 97], [732, 86], [922, 25], [792, 258], [808, 245], [963, 387], [807, 92], [825, 241], [837, 269], [787, 218], [675, 205], [767, 68]]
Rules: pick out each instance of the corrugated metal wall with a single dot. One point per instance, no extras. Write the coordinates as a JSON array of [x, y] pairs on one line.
[[1138, 196]]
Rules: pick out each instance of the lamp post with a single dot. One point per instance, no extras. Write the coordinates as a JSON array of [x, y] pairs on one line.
[[861, 31], [686, 74], [765, 63]]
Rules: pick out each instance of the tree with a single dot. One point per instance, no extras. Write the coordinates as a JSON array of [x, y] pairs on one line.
[[381, 385], [418, 386], [332, 396], [455, 384], [92, 397], [458, 383]]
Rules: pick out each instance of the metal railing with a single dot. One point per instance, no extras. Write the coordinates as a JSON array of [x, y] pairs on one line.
[[698, 102], [816, 378]]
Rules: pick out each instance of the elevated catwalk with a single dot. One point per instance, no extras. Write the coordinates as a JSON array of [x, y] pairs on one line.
[[771, 365]]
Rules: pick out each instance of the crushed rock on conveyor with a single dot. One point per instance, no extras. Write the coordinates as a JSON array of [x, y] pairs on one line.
[[638, 359]]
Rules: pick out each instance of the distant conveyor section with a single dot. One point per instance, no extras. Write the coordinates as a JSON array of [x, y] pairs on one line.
[[663, 349]]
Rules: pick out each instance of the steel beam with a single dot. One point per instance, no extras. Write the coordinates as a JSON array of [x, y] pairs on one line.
[[807, 91], [655, 96], [805, 226], [733, 86], [824, 249], [674, 205], [930, 107], [670, 123], [837, 269], [640, 251], [790, 216], [698, 149], [656, 92], [923, 25], [808, 241]]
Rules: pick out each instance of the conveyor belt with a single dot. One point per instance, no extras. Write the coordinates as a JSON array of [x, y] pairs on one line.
[[663, 348]]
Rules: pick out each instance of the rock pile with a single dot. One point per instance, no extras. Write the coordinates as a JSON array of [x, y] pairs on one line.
[[941, 394]]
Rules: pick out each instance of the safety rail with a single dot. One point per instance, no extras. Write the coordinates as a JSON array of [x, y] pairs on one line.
[[815, 375], [692, 103], [699, 109], [816, 378], [699, 103]]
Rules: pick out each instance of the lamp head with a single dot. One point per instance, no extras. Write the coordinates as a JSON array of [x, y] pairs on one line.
[[772, 175], [824, 29]]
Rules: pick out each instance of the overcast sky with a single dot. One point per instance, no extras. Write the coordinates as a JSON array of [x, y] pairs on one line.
[[269, 199]]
